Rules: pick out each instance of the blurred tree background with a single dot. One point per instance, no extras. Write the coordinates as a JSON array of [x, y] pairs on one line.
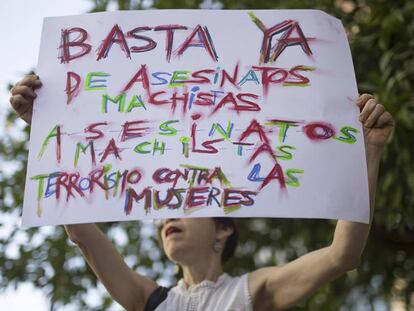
[[381, 34]]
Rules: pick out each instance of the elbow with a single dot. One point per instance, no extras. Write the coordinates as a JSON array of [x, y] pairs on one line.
[[351, 264], [345, 264]]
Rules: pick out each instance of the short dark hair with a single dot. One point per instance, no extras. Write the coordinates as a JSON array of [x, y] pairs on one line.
[[231, 242]]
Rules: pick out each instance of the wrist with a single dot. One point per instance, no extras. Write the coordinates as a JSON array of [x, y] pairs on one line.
[[373, 153]]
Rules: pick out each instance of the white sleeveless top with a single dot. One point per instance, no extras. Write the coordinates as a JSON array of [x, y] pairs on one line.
[[227, 294]]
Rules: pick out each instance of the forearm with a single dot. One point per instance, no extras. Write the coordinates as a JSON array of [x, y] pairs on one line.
[[125, 286], [350, 237], [98, 250], [92, 242]]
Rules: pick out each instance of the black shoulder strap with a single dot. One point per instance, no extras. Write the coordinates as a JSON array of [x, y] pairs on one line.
[[156, 298]]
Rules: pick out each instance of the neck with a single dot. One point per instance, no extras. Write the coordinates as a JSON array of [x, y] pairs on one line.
[[202, 270]]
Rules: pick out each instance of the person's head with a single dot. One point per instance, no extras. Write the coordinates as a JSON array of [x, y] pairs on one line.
[[187, 238]]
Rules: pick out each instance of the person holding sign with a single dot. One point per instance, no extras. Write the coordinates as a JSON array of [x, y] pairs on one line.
[[200, 246]]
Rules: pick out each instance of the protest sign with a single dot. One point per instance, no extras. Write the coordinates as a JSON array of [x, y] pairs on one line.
[[190, 113]]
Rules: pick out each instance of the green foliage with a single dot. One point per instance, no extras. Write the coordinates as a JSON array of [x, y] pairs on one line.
[[382, 41]]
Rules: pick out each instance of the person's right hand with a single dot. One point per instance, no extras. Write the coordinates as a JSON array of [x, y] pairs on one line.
[[23, 94]]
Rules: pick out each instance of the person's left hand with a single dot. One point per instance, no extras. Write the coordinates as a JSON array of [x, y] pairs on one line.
[[376, 121]]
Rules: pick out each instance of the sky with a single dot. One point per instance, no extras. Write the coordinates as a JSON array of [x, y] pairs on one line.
[[20, 29]]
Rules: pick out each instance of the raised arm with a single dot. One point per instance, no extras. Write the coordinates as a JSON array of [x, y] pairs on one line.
[[127, 287], [278, 288]]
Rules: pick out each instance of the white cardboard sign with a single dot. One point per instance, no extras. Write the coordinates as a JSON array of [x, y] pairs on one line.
[[191, 113]]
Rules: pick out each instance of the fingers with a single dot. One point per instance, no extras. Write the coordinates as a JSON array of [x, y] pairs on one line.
[[384, 120], [374, 115], [19, 103], [363, 99], [25, 88], [24, 91], [23, 94], [23, 107], [367, 108], [32, 81]]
